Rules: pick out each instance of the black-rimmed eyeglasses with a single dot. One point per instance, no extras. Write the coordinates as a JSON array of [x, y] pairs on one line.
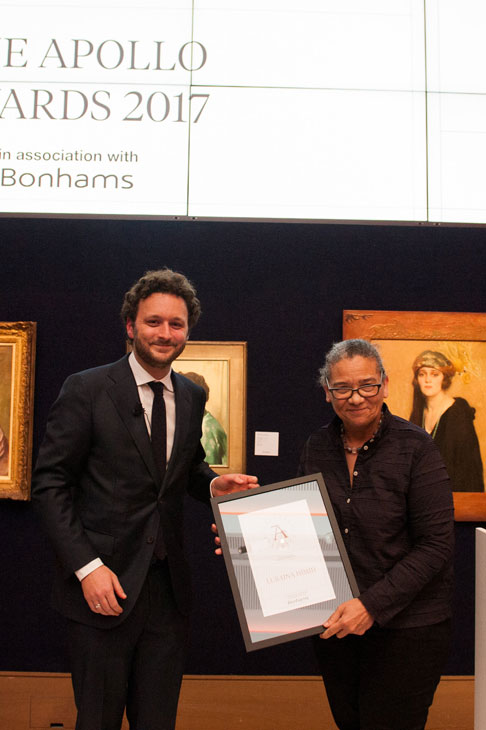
[[365, 391]]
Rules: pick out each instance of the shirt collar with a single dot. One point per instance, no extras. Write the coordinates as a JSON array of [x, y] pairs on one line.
[[142, 377]]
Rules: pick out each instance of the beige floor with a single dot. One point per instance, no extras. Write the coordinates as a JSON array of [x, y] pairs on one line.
[[30, 701]]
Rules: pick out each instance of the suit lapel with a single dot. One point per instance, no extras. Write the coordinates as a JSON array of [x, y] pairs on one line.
[[123, 392]]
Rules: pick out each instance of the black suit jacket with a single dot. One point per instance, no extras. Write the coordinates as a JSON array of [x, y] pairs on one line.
[[97, 489]]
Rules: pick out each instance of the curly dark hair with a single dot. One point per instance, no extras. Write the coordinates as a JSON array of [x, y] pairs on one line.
[[162, 281]]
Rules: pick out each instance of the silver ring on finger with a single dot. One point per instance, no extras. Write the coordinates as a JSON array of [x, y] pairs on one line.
[[97, 605]]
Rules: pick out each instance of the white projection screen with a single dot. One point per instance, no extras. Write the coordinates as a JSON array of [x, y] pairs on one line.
[[356, 110]]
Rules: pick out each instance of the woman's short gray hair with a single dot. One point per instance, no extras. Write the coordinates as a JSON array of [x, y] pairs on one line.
[[347, 349]]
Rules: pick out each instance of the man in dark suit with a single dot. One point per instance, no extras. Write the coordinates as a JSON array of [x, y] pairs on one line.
[[122, 447]]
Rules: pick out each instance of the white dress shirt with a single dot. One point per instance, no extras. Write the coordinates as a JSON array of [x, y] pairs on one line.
[[146, 395]]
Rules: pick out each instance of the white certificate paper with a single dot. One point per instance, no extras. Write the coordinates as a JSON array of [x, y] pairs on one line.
[[285, 557]]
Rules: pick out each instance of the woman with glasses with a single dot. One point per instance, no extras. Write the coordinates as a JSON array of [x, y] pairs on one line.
[[450, 421], [381, 654]]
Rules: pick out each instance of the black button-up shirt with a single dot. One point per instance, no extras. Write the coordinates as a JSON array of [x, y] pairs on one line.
[[396, 519]]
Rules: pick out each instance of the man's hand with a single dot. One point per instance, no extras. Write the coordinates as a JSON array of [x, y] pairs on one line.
[[99, 588], [217, 540], [227, 483], [350, 617]]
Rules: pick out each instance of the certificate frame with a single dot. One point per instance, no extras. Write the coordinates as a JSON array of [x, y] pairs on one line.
[[273, 564]]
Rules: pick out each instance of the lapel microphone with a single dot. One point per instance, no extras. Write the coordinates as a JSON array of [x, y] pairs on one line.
[[138, 410]]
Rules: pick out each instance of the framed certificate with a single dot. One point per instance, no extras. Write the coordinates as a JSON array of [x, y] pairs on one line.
[[285, 558]]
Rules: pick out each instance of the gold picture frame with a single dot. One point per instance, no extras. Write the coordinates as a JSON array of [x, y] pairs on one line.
[[222, 367], [17, 361], [401, 336]]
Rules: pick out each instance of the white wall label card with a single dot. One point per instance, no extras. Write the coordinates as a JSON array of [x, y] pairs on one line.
[[266, 443]]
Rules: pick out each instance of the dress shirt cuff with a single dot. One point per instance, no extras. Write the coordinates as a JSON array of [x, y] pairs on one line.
[[211, 487], [88, 568]]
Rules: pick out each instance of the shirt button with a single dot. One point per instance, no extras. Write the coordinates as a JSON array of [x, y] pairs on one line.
[[365, 448], [346, 530], [150, 540], [355, 473], [348, 500]]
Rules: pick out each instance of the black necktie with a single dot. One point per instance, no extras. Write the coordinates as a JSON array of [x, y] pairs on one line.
[[159, 428], [159, 449]]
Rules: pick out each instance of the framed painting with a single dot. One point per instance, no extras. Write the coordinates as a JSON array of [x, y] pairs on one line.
[[17, 358], [453, 346], [220, 368]]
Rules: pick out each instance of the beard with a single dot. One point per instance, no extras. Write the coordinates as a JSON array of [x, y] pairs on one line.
[[154, 359]]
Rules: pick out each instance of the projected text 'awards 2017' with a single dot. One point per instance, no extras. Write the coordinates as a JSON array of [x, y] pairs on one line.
[[72, 104]]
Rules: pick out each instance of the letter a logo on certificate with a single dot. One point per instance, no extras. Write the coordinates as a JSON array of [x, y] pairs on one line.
[[285, 557]]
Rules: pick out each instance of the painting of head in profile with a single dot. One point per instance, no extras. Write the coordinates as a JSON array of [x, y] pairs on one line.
[[219, 368], [449, 420], [214, 437]]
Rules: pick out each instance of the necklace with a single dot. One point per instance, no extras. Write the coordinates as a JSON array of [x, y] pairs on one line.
[[357, 449]]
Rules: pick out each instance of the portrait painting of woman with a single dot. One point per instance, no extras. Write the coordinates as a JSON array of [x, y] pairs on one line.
[[449, 420]]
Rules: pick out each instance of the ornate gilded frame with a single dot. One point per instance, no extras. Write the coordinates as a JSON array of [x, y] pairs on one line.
[[452, 328], [17, 362]]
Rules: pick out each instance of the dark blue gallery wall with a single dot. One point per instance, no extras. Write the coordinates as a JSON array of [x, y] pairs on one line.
[[279, 287]]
